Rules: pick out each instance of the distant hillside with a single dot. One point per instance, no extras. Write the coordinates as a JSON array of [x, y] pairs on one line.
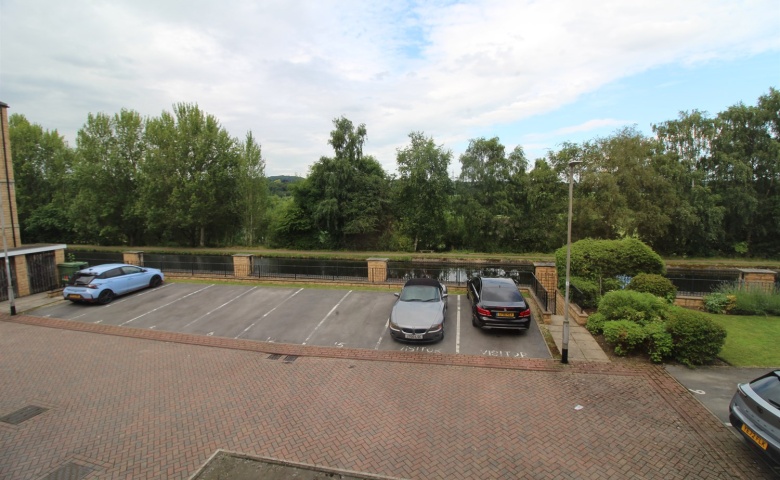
[[278, 184]]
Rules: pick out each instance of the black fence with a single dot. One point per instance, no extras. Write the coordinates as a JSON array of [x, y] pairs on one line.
[[698, 283], [458, 274]]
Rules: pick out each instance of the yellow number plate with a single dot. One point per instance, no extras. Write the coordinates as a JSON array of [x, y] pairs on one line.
[[74, 296], [750, 433], [506, 314]]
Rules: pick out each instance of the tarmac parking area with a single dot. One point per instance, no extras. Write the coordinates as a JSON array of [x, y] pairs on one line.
[[295, 315]]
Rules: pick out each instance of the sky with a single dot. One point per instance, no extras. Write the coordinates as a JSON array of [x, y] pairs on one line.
[[533, 73]]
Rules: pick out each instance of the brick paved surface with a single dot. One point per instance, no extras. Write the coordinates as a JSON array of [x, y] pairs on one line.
[[144, 404]]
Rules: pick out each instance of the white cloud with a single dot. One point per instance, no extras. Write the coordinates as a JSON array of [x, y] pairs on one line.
[[285, 69]]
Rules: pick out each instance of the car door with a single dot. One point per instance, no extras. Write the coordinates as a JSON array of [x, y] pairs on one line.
[[115, 280], [136, 278]]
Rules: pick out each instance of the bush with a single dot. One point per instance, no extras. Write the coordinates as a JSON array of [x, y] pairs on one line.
[[595, 323], [602, 259], [658, 285], [658, 342], [587, 293], [697, 339], [641, 308], [719, 302], [625, 335]]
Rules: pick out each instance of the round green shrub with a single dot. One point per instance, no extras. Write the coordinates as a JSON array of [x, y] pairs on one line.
[[625, 335], [658, 285], [716, 302], [658, 341], [697, 339], [602, 259], [595, 323], [638, 307]]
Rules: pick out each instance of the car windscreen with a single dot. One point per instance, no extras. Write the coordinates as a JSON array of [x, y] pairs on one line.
[[419, 293], [768, 388], [502, 295], [82, 278]]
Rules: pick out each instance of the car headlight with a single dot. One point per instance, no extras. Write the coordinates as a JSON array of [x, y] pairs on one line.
[[394, 326], [435, 328]]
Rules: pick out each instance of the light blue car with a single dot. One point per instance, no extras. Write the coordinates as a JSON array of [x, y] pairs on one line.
[[101, 283]]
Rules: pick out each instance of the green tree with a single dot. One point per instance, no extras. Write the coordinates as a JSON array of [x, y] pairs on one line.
[[109, 151], [252, 192], [423, 191], [488, 194], [344, 196], [191, 179], [42, 162]]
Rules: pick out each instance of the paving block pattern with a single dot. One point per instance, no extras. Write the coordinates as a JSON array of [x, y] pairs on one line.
[[137, 403]]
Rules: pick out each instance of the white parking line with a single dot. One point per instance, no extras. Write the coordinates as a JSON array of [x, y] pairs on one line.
[[209, 313], [387, 325], [325, 317], [163, 306], [268, 313], [457, 333]]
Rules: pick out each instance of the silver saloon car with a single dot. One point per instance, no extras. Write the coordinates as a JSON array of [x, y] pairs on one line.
[[755, 413], [418, 314]]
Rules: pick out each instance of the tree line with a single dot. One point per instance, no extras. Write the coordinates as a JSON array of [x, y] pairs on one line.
[[699, 186]]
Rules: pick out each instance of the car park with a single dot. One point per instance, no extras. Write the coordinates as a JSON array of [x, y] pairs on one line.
[[418, 314], [755, 412], [101, 283], [496, 303]]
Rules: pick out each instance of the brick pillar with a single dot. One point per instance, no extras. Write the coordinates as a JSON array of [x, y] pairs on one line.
[[133, 258], [242, 264], [547, 275], [757, 278], [22, 280], [377, 270], [59, 256]]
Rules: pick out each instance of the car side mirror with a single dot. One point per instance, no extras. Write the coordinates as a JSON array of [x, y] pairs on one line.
[[397, 294], [444, 295]]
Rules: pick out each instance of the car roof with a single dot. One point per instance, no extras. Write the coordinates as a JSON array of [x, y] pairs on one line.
[[498, 282], [98, 269], [430, 282]]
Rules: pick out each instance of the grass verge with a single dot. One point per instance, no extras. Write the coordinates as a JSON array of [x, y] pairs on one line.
[[751, 341]]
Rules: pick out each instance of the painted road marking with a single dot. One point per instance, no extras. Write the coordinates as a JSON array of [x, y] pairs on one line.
[[224, 304], [387, 325], [163, 306], [268, 312], [326, 317], [141, 294]]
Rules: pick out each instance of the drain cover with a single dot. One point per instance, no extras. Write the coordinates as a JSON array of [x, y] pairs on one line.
[[69, 471], [23, 414], [290, 358], [274, 356]]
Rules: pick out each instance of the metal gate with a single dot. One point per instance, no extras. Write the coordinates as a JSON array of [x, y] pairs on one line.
[[42, 272], [4, 281]]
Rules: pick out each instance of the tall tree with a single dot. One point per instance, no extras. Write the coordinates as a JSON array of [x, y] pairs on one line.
[[109, 151], [346, 195], [487, 194], [252, 192], [191, 177], [423, 190], [42, 162]]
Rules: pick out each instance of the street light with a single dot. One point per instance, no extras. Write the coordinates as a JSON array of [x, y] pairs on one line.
[[565, 349]]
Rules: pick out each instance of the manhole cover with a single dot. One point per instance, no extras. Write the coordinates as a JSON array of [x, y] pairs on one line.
[[23, 414]]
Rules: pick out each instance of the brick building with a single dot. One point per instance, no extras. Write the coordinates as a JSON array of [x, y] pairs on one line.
[[33, 267]]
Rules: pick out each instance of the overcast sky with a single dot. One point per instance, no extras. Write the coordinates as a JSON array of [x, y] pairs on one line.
[[533, 73]]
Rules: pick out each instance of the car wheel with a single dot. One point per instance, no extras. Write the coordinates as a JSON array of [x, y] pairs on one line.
[[155, 282], [105, 297]]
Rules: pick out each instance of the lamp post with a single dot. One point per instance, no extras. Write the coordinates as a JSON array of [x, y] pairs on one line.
[[565, 349]]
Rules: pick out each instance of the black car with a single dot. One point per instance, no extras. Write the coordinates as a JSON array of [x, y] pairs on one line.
[[755, 413], [497, 303]]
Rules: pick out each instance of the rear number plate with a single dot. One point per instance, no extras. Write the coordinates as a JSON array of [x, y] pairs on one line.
[[760, 441], [413, 336], [73, 296], [505, 314]]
